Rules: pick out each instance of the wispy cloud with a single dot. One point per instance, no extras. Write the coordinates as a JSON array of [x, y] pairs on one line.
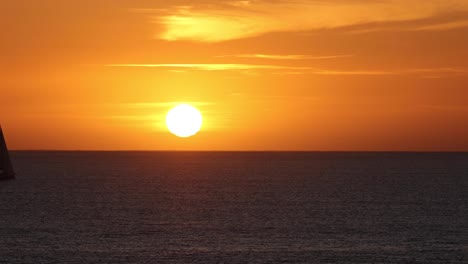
[[290, 70], [275, 97], [439, 24], [443, 26], [438, 70], [239, 19], [246, 67], [286, 57], [162, 104], [207, 66], [435, 73]]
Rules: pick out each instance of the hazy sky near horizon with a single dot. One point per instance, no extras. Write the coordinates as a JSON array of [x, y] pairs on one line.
[[266, 75]]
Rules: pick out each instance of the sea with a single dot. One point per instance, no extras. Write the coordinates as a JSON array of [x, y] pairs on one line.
[[235, 207]]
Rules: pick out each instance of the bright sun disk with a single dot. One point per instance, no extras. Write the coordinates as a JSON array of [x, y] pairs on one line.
[[184, 120]]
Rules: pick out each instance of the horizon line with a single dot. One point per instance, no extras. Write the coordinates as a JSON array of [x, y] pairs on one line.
[[243, 151]]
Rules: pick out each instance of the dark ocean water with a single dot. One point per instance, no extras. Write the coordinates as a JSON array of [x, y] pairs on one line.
[[195, 207]]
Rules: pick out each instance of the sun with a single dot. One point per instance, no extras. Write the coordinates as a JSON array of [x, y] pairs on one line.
[[184, 120]]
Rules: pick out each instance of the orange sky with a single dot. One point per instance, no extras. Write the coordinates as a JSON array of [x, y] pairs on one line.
[[267, 75]]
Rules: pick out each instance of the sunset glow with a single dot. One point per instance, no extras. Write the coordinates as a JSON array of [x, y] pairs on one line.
[[267, 75]]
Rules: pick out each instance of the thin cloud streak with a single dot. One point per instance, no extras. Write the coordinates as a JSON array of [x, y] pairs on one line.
[[278, 97], [285, 57], [246, 67], [443, 26], [408, 27], [294, 69], [439, 70], [163, 104], [221, 22], [212, 67]]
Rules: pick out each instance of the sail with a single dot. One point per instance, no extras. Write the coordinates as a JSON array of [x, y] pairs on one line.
[[6, 168]]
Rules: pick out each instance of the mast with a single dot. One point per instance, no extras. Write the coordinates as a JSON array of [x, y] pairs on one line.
[[6, 168]]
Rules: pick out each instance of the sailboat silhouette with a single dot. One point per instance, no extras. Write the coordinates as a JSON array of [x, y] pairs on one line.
[[6, 168]]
